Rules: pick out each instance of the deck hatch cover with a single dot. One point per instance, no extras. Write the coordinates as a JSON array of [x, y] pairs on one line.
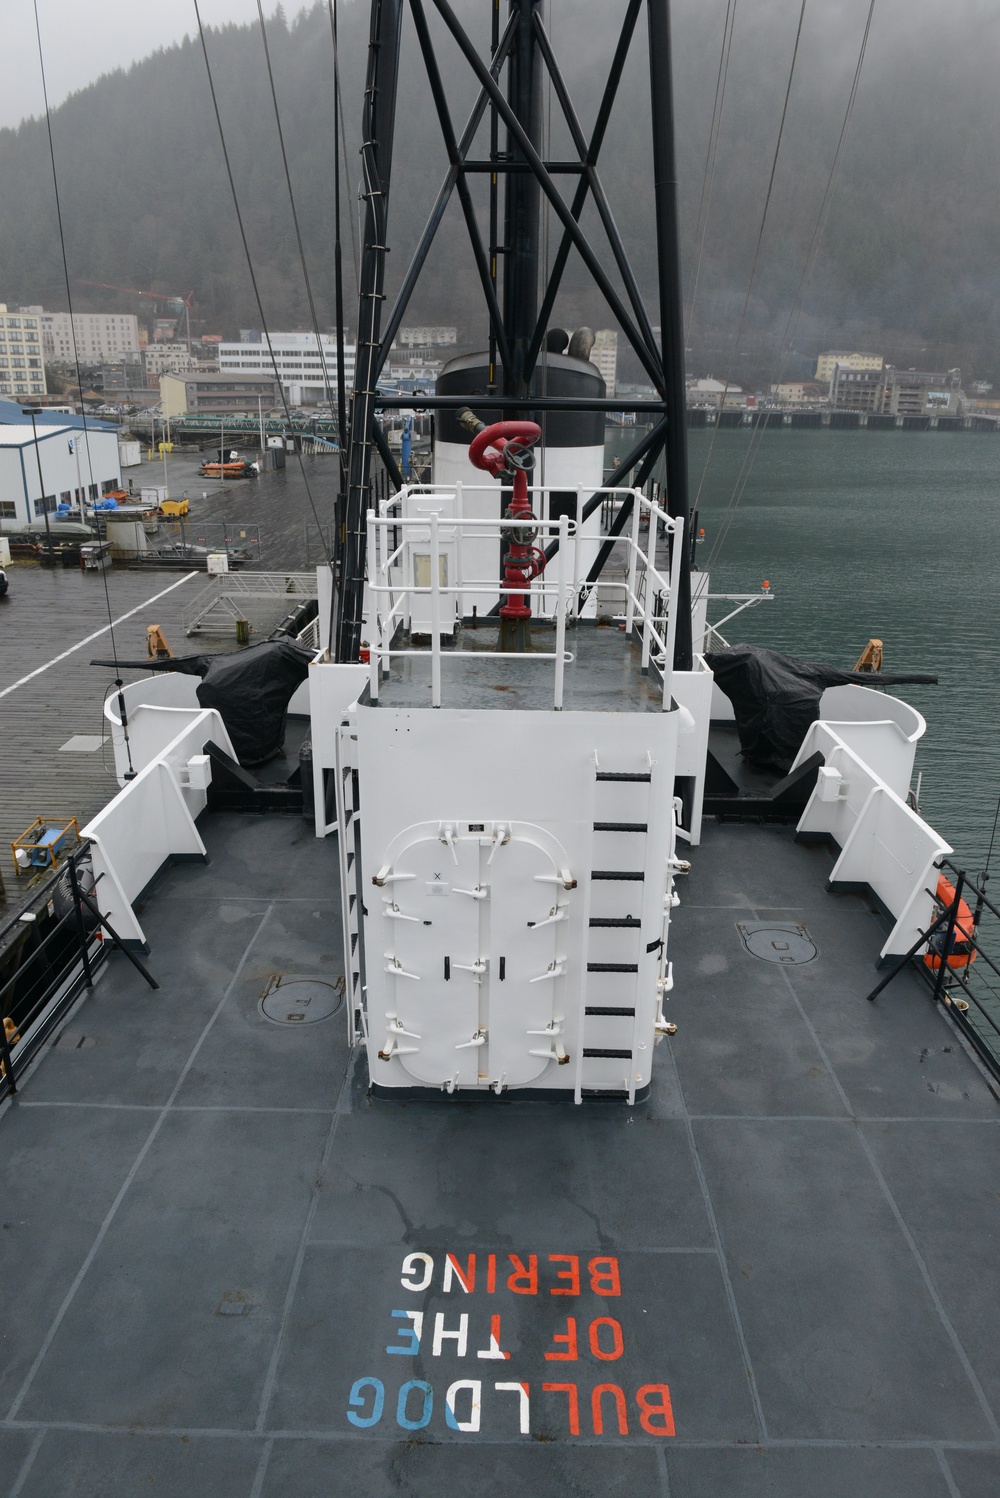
[[777, 943], [299, 1001]]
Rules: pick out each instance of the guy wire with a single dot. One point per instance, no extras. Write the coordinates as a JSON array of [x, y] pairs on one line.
[[119, 683], [249, 260]]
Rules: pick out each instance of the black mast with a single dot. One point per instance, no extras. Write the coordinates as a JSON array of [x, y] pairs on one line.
[[517, 327], [671, 314], [522, 245]]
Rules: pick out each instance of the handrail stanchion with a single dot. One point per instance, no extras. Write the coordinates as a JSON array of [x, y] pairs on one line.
[[561, 613], [459, 564], [649, 560], [435, 612], [677, 545], [80, 927], [574, 600], [375, 643], [633, 560]]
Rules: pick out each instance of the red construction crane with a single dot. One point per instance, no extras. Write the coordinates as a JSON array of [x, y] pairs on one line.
[[155, 296]]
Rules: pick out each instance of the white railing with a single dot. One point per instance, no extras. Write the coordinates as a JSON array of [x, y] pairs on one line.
[[445, 531]]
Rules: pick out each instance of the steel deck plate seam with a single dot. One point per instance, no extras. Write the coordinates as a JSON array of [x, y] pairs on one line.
[[130, 1177], [261, 1474], [270, 1378], [721, 1252], [27, 1464], [825, 1118], [953, 1487], [908, 1237], [328, 1434], [662, 1471]]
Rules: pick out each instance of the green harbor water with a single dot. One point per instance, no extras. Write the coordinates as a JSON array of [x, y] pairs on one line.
[[887, 534]]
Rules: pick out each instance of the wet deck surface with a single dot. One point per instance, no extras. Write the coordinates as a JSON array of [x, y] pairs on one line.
[[48, 611], [206, 1227], [604, 673]]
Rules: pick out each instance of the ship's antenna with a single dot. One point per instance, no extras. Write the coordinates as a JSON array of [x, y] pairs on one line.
[[250, 266], [119, 683]]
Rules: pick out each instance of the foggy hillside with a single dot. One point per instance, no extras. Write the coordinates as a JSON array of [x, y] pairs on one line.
[[907, 264]]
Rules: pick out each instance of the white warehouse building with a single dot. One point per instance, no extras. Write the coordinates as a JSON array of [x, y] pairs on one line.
[[76, 469], [306, 368]]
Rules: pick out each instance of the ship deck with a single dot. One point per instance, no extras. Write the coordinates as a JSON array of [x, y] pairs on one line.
[[604, 672], [205, 1220]]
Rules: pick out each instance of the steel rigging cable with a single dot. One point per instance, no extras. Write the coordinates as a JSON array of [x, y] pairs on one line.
[[249, 260], [119, 682], [795, 311], [708, 179], [760, 237]]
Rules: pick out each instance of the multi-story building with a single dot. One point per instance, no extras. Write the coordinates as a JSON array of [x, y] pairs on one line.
[[91, 337], [920, 392], [426, 336], [306, 368], [605, 355], [796, 393], [166, 358], [827, 363], [195, 393], [22, 362], [857, 389]]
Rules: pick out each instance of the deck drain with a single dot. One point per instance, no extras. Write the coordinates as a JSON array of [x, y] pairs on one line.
[[777, 943], [299, 1001]]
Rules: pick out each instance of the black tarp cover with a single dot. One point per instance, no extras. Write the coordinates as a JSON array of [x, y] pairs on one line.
[[251, 690], [775, 698]]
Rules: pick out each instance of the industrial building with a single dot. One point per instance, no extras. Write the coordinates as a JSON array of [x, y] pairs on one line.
[[195, 393], [857, 389], [22, 364], [921, 392], [76, 467], [306, 368]]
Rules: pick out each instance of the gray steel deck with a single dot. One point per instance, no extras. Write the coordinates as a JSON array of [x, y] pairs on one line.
[[204, 1220], [604, 674]]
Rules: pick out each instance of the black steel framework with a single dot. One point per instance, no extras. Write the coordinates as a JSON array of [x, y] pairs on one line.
[[518, 306]]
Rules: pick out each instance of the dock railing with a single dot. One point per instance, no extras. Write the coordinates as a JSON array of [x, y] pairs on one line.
[[440, 541]]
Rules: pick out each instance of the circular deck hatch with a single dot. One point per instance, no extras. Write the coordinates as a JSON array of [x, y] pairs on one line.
[[791, 943], [300, 1001]]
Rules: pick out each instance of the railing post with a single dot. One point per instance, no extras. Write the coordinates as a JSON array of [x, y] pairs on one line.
[[375, 630], [561, 613], [459, 565], [80, 927], [5, 1056], [435, 612], [649, 556], [677, 545], [633, 559], [577, 531]]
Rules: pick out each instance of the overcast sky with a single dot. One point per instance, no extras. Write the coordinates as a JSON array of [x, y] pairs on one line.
[[82, 39]]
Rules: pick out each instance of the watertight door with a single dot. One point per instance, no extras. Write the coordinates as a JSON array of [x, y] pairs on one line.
[[434, 961], [527, 931]]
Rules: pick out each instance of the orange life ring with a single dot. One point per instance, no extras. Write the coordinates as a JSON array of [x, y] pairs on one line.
[[962, 951]]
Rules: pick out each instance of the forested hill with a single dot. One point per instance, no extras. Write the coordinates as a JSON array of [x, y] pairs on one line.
[[907, 263]]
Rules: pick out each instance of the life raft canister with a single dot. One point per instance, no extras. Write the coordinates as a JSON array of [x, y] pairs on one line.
[[962, 950]]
